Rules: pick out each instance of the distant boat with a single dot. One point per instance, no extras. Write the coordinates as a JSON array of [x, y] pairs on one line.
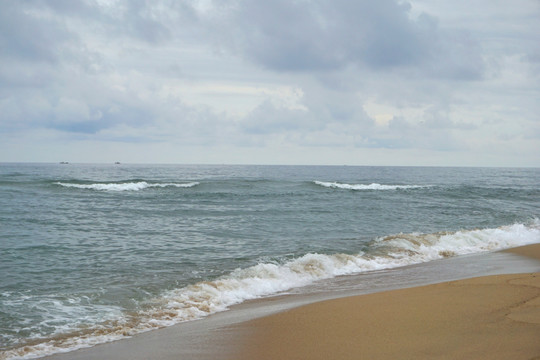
[[63, 162], [117, 163]]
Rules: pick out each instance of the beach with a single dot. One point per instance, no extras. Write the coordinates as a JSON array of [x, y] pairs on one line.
[[176, 261], [493, 317], [485, 317], [216, 180]]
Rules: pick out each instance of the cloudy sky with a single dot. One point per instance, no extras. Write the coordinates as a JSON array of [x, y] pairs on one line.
[[359, 82]]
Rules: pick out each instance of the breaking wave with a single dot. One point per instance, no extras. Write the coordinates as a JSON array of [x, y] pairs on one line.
[[387, 252], [204, 298], [372, 186], [126, 186]]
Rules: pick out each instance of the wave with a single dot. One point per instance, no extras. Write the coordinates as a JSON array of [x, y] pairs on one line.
[[387, 252], [372, 186], [126, 186], [267, 278]]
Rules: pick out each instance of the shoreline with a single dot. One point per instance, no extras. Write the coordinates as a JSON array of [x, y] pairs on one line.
[[492, 317], [530, 251], [235, 333]]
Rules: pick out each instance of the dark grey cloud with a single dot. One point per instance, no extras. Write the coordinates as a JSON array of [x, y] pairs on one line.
[[94, 120], [330, 35], [145, 21], [27, 35], [292, 36]]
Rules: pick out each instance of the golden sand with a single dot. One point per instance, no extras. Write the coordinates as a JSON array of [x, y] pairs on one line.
[[493, 317]]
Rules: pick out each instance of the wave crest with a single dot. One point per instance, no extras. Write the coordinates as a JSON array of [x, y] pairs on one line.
[[372, 186], [388, 252], [126, 186], [417, 247]]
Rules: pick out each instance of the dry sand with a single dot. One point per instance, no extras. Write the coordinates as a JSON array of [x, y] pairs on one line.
[[493, 317]]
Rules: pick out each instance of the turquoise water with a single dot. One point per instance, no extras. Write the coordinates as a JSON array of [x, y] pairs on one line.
[[92, 253]]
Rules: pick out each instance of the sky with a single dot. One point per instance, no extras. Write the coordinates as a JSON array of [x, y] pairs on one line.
[[333, 82]]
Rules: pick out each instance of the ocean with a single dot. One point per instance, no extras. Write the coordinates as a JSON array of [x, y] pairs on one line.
[[93, 253]]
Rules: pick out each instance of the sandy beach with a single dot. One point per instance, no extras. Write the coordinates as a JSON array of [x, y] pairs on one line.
[[486, 317], [492, 317]]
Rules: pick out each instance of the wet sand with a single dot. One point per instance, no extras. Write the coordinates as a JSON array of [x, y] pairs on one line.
[[488, 317], [492, 317], [532, 251]]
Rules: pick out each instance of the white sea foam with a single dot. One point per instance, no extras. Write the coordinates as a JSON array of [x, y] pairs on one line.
[[372, 186], [416, 248], [388, 252], [126, 186], [205, 298]]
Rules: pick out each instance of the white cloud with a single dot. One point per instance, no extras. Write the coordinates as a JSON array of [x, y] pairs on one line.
[[258, 81]]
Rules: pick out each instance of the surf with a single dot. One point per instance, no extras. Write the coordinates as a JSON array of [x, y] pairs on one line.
[[372, 186], [125, 186], [201, 299]]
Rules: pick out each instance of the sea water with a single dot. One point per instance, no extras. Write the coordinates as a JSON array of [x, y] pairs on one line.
[[95, 253]]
